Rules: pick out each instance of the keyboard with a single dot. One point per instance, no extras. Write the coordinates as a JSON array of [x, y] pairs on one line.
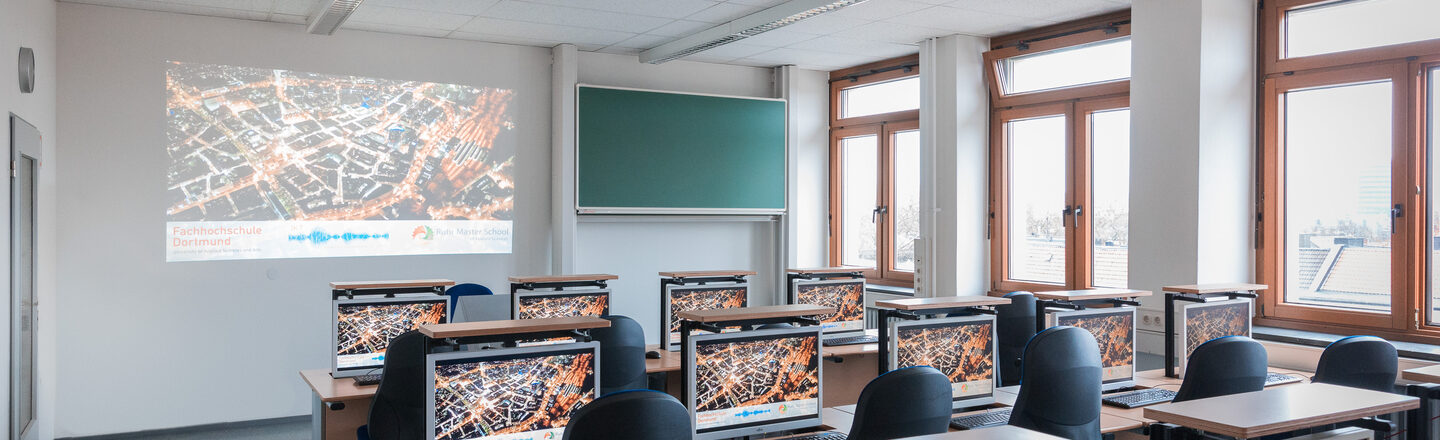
[[821, 436], [367, 379], [851, 340], [989, 418], [1272, 379], [1136, 399]]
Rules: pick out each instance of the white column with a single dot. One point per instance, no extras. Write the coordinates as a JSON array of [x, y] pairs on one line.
[[954, 127], [807, 190], [564, 70]]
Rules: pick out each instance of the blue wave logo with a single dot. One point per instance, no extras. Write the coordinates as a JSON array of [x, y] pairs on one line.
[[748, 413], [318, 236]]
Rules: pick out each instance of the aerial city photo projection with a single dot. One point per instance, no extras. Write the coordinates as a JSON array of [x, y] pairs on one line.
[[739, 382], [268, 163], [521, 398], [962, 352], [847, 298], [364, 331]]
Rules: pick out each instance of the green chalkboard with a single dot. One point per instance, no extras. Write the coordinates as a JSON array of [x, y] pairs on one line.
[[657, 152]]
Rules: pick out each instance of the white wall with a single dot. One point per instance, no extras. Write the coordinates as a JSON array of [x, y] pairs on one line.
[[171, 334], [31, 23], [954, 138]]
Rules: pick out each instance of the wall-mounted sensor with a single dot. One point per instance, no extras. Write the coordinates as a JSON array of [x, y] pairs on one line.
[[27, 70]]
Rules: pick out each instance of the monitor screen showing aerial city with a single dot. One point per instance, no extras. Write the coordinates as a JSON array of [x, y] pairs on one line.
[[963, 350], [743, 380], [508, 396], [1114, 331], [684, 299], [363, 331], [1206, 321], [847, 297], [535, 306], [270, 163]]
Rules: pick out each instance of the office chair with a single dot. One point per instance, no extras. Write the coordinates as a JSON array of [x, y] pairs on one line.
[[622, 355], [1359, 361], [464, 289], [1060, 384], [632, 415], [903, 403], [1014, 326], [398, 411], [1223, 366]]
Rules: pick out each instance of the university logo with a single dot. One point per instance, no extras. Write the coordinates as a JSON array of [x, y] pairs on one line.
[[423, 233]]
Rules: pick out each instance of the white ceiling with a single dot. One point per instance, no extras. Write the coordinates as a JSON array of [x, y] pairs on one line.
[[870, 31]]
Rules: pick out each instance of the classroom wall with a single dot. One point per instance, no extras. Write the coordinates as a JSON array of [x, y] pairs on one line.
[[206, 342], [31, 23]]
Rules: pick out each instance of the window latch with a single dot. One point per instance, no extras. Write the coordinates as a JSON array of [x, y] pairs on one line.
[[1065, 216], [877, 211], [1396, 212], [1079, 211]]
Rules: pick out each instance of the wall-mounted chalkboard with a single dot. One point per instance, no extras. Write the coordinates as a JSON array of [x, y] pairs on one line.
[[651, 152]]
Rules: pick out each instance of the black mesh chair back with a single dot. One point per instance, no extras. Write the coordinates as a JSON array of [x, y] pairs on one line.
[[903, 403], [398, 411], [622, 355], [631, 415], [1015, 325], [1359, 361], [1224, 366], [1060, 385]]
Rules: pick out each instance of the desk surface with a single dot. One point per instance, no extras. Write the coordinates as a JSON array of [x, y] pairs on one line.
[[1080, 295], [511, 326], [331, 389], [563, 278], [756, 312], [707, 273], [1430, 374], [393, 284], [942, 302], [1280, 409], [1215, 288], [825, 270], [1005, 432]]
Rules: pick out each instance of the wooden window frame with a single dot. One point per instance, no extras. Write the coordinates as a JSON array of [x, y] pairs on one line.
[[1076, 103], [1404, 65], [884, 126]]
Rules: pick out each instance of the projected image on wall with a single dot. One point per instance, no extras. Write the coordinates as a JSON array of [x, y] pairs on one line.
[[269, 163]]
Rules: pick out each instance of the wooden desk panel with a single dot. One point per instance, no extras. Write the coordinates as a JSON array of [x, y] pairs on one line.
[[395, 284], [1280, 409], [330, 389], [511, 326], [707, 273], [1430, 374], [1088, 294], [669, 360], [1214, 288], [942, 302], [756, 312], [562, 278]]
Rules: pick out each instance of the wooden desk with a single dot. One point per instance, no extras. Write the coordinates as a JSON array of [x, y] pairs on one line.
[[1090, 294], [562, 278], [1002, 432], [707, 273], [511, 326], [756, 312], [1206, 289], [942, 302], [813, 270], [396, 284], [1280, 410], [1430, 374], [351, 405]]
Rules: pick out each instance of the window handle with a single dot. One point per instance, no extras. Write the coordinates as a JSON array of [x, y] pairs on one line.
[[1065, 216], [1079, 211], [877, 211], [1396, 212]]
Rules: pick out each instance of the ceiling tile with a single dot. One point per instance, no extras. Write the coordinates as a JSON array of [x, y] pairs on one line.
[[619, 50], [384, 15], [810, 58], [287, 18], [967, 22], [893, 33], [880, 9], [734, 50], [504, 39], [544, 32], [295, 7], [761, 3], [680, 28], [778, 38], [1053, 10], [724, 12], [461, 7], [393, 29], [644, 41], [825, 24], [551, 14], [650, 8], [853, 46]]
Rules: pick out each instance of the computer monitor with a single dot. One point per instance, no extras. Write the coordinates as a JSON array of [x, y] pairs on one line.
[[847, 296], [753, 382], [963, 348], [361, 328], [1200, 322], [510, 393], [1114, 330], [684, 298], [531, 304]]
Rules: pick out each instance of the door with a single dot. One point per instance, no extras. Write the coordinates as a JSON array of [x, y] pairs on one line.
[[24, 162]]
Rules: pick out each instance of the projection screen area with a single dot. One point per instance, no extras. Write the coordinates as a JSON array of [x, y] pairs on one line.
[[268, 163]]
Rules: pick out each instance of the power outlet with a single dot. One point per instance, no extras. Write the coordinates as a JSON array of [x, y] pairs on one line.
[[1153, 320]]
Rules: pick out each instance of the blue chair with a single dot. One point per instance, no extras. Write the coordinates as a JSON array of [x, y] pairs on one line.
[[464, 289], [907, 402], [632, 415], [1014, 326], [1060, 385], [1359, 361], [1224, 366], [622, 355]]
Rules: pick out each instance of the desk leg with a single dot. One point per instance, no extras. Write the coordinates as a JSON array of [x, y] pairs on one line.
[[317, 418]]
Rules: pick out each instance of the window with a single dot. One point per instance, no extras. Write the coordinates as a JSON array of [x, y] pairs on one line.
[[1060, 197], [1348, 219], [875, 169]]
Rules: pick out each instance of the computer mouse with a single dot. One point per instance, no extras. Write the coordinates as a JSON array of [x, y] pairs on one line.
[[652, 355]]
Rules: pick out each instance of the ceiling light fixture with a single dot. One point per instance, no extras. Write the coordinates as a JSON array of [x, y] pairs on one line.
[[329, 15], [751, 25]]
